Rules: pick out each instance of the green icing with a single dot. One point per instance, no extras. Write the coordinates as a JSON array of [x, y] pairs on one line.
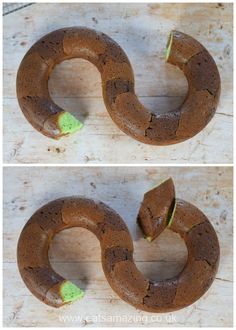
[[168, 47], [172, 216], [148, 238], [70, 292], [68, 123]]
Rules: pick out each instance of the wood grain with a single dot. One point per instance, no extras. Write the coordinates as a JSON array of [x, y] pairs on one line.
[[142, 31], [75, 253]]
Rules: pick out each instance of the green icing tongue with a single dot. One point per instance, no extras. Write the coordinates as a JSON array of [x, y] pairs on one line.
[[70, 292], [168, 47], [172, 216], [148, 238], [68, 123]]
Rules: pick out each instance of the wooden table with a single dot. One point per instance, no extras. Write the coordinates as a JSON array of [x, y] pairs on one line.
[[75, 253], [142, 31]]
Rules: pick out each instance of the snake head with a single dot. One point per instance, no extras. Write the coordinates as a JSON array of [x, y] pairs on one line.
[[156, 209], [181, 48]]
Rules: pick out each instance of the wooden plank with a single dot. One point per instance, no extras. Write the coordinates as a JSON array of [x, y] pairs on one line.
[[75, 253], [142, 30]]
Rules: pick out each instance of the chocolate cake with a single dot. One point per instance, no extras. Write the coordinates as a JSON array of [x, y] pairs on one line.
[[159, 210], [119, 95]]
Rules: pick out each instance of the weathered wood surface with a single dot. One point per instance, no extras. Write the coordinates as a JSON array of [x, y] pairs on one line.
[[75, 253], [142, 30]]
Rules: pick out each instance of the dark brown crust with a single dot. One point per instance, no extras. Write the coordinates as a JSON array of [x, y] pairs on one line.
[[118, 85], [156, 209], [117, 249]]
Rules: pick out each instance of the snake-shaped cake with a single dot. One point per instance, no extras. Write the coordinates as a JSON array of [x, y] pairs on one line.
[[117, 78], [159, 210]]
